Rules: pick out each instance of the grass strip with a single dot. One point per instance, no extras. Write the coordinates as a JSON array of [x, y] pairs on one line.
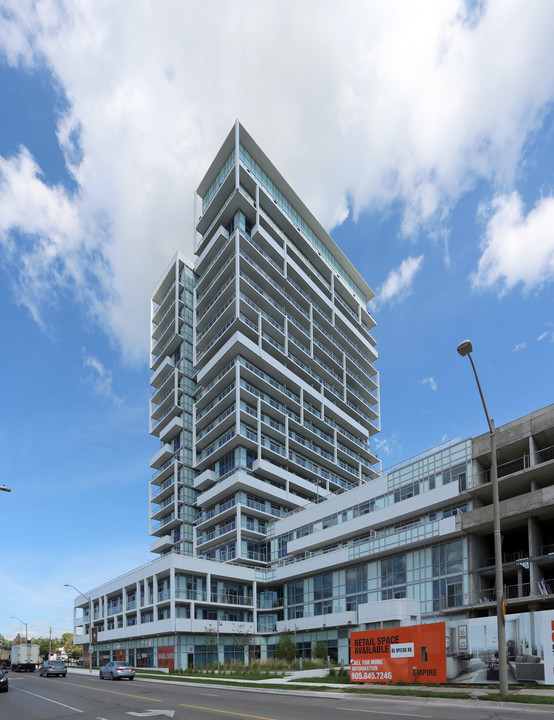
[[322, 685], [339, 680], [406, 692], [313, 688], [524, 699]]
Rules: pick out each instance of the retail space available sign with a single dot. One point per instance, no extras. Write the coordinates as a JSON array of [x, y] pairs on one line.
[[403, 654]]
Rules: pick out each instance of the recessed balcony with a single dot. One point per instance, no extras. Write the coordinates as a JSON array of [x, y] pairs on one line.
[[166, 524], [158, 512], [160, 351], [161, 493], [166, 470], [165, 387]]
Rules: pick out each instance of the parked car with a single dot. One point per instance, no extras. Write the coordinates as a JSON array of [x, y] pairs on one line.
[[53, 667], [3, 681], [116, 670]]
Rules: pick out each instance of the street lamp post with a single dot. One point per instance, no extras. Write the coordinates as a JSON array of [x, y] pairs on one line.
[[23, 623], [89, 624], [465, 349], [218, 647]]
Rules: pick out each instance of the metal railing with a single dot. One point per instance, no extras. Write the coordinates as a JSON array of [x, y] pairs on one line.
[[521, 463]]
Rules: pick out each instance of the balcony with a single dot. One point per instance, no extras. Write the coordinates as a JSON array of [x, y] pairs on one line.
[[222, 512], [159, 352], [218, 533], [518, 597], [162, 544], [159, 494], [157, 513], [166, 384], [174, 426], [162, 456], [166, 524], [523, 462], [185, 594], [115, 610], [162, 373], [166, 470], [231, 599]]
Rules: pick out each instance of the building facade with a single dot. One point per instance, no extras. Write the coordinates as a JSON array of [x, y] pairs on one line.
[[268, 509]]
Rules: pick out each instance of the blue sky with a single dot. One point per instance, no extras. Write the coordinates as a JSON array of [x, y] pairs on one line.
[[422, 136]]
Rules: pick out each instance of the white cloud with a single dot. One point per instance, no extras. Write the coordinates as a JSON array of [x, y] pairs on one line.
[[399, 282], [431, 382], [519, 346], [517, 248], [385, 445], [370, 104], [548, 334], [50, 251], [100, 378]]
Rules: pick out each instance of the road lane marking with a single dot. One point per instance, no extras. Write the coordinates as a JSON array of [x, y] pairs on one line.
[[384, 712], [226, 712], [48, 699], [116, 692]]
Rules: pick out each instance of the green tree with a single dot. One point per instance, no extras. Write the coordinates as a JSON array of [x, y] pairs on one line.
[[74, 652], [44, 646], [319, 651], [286, 647]]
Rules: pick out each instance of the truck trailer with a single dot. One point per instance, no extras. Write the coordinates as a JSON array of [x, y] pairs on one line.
[[25, 657], [5, 656]]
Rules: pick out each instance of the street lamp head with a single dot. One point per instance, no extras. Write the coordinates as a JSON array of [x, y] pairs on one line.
[[5, 489], [464, 348]]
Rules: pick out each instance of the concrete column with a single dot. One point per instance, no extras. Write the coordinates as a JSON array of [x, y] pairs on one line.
[[532, 451], [238, 541], [473, 589], [534, 533], [172, 604], [255, 605]]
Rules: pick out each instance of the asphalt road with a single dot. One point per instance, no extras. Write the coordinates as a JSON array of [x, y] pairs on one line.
[[84, 697]]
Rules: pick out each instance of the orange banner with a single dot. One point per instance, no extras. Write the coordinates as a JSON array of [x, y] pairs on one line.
[[414, 653], [166, 656]]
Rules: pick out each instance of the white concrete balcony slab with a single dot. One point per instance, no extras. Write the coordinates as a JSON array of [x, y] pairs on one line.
[[205, 480], [173, 427], [161, 373], [161, 457], [162, 544]]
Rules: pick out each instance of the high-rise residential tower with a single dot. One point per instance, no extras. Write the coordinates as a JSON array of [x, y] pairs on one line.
[[265, 390]]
